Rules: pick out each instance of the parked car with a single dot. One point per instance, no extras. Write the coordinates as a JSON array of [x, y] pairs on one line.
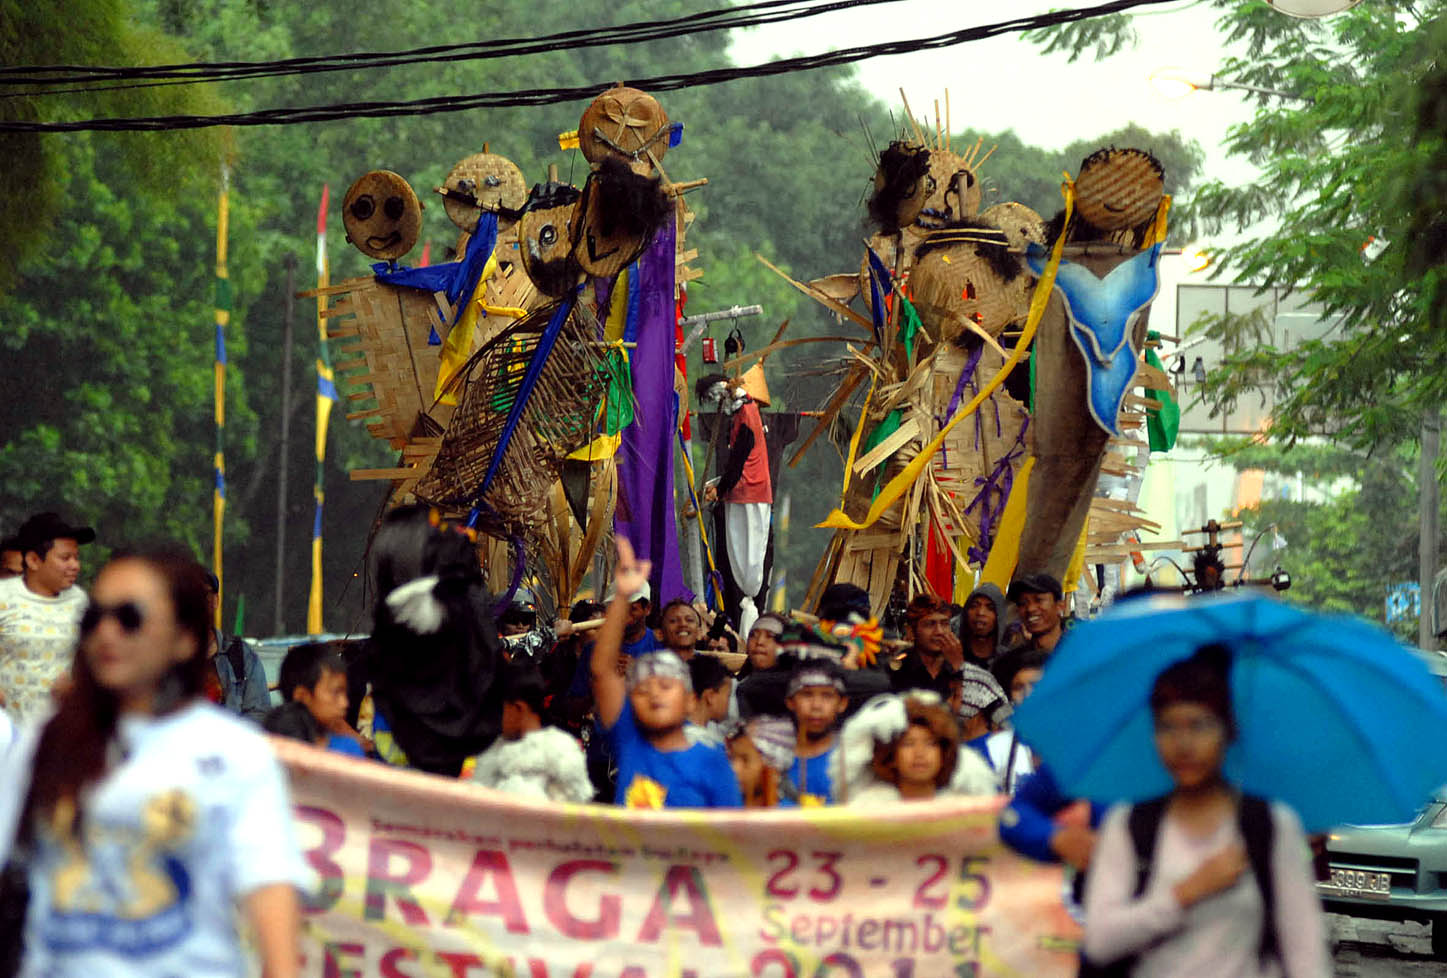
[[1394, 872]]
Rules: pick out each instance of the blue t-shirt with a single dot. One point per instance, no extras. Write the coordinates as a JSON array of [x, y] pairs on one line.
[[582, 684], [811, 777], [343, 744], [699, 776]]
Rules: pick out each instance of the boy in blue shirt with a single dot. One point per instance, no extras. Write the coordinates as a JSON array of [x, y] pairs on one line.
[[816, 698], [315, 675], [643, 716]]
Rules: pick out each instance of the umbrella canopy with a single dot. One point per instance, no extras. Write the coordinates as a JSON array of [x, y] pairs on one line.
[[1335, 717]]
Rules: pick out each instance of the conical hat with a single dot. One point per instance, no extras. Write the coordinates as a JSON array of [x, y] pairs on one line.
[[755, 385]]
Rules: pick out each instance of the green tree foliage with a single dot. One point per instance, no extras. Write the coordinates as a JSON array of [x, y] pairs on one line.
[[108, 330], [93, 32], [1358, 152]]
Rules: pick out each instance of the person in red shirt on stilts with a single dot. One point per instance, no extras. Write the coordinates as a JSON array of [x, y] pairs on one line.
[[745, 488]]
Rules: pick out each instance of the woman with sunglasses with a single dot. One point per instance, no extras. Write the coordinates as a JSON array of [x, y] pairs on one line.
[[142, 816]]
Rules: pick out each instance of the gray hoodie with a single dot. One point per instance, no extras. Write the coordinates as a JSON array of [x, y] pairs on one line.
[[997, 598]]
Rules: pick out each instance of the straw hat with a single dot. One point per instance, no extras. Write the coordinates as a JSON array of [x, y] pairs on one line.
[[382, 215], [755, 385]]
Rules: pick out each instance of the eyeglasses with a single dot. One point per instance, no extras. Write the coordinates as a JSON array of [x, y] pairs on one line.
[[127, 615], [1195, 729]]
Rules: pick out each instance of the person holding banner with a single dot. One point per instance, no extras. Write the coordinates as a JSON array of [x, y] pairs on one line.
[[142, 815], [643, 717]]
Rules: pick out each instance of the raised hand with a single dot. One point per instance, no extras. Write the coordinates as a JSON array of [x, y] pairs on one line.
[[630, 573]]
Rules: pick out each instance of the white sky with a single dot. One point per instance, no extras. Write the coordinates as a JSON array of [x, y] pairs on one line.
[[1007, 83]]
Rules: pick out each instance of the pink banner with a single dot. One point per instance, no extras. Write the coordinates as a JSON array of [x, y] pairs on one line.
[[416, 875]]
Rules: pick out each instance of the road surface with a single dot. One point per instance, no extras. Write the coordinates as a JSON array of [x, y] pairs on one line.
[[1382, 949]]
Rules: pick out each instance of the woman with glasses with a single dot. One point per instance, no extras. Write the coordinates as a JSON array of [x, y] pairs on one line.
[[143, 817], [1204, 881]]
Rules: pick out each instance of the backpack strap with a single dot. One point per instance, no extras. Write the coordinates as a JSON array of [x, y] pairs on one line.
[[1144, 823], [1258, 830], [236, 655]]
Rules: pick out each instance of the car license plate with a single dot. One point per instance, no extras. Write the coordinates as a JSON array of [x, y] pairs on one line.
[[1357, 883]]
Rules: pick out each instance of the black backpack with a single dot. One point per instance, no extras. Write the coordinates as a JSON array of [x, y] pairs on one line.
[[1145, 826]]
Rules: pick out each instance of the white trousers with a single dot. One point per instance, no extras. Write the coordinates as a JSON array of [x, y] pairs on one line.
[[747, 533]]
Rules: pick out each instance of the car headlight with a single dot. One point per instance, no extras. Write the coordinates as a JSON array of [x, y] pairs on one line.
[[1439, 821]]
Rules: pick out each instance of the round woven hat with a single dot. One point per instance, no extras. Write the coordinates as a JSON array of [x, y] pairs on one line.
[[483, 181], [625, 123], [382, 215], [1119, 188], [1022, 226]]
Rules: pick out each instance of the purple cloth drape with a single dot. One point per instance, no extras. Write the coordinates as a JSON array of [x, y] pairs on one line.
[[645, 460]]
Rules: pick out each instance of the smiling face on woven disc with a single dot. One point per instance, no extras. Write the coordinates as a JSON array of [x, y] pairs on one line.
[[493, 181], [601, 251], [1119, 188], [626, 123], [382, 215]]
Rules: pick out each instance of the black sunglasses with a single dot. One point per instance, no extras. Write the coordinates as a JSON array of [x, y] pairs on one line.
[[127, 615]]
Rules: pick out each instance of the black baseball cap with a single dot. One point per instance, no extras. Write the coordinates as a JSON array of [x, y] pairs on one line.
[[1033, 584], [42, 528]]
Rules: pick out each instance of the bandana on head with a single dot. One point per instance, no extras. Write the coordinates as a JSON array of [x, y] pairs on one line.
[[982, 693], [807, 675], [664, 664]]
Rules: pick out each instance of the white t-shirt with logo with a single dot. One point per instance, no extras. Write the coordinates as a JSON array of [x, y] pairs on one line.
[[196, 816], [37, 642]]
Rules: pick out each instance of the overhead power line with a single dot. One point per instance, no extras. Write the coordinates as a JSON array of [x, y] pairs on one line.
[[726, 18], [551, 96]]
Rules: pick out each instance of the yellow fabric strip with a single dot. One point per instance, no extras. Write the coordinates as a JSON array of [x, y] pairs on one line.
[[617, 310], [458, 347], [1005, 553], [858, 431], [901, 483], [1158, 229], [1077, 561], [600, 448], [314, 598]]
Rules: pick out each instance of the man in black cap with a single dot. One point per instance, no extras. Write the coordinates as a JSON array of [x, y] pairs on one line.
[[40, 614], [1037, 598]]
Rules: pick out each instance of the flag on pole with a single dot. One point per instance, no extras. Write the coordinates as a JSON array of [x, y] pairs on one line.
[[223, 316], [326, 395]]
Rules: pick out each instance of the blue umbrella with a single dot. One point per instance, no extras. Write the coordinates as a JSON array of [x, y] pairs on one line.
[[1336, 718]]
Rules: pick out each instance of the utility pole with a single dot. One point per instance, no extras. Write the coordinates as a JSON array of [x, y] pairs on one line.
[[278, 621], [1427, 498]]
